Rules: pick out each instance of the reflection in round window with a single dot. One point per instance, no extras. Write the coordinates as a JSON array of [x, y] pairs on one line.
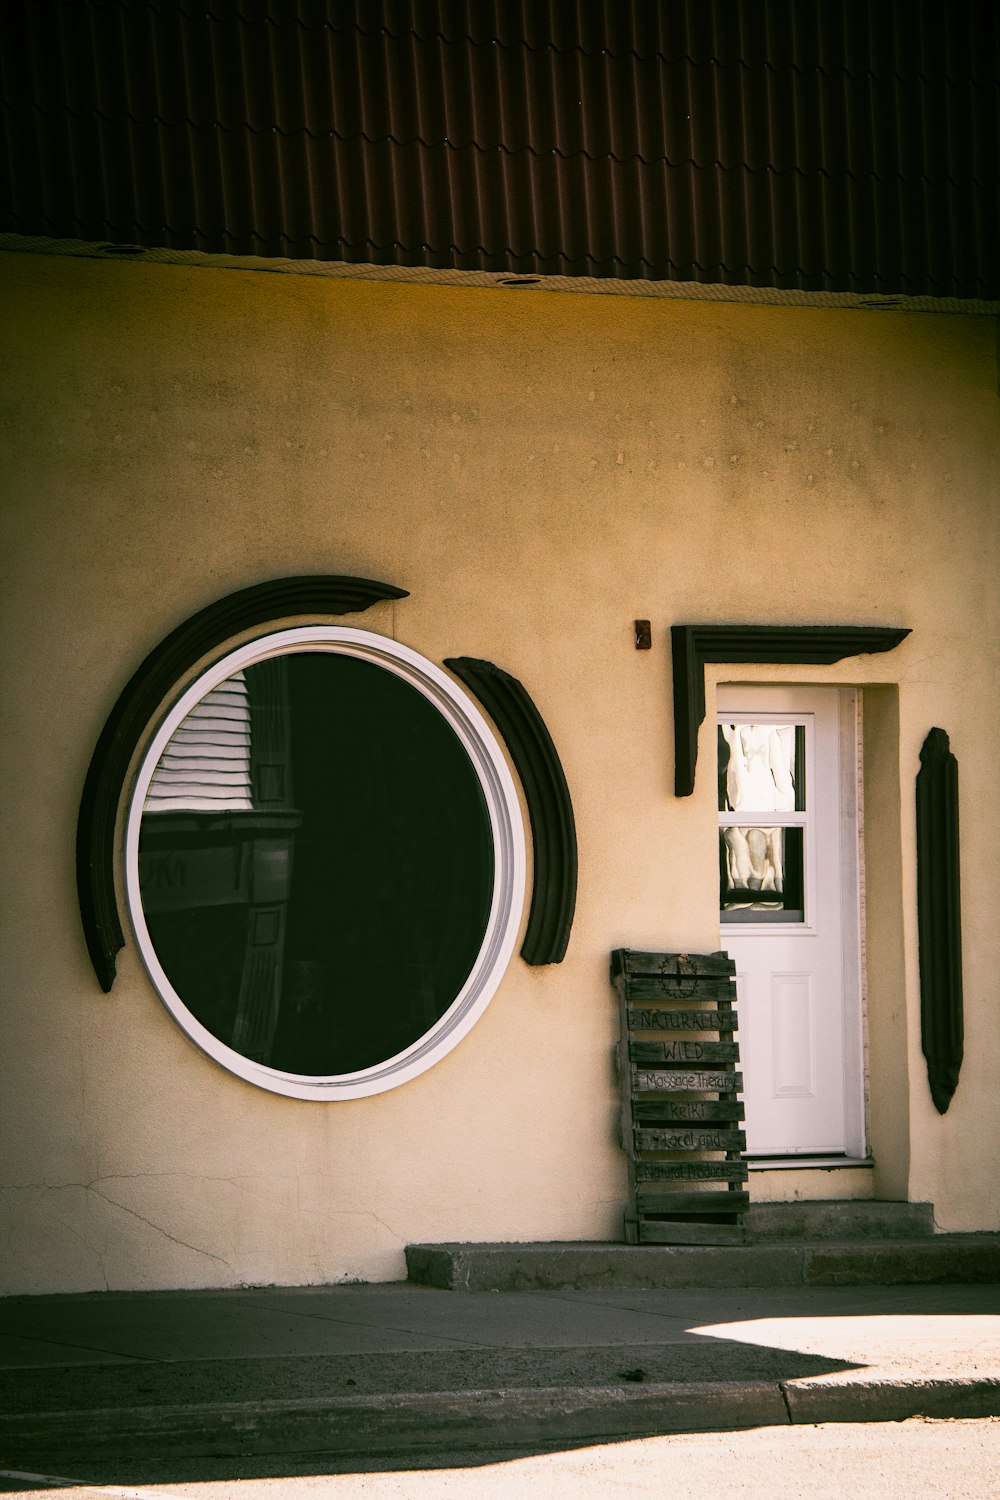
[[325, 863]]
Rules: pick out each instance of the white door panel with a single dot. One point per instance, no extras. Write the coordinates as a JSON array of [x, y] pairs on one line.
[[793, 1036], [782, 875]]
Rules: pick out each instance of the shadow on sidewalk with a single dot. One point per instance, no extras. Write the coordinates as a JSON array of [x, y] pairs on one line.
[[169, 1424]]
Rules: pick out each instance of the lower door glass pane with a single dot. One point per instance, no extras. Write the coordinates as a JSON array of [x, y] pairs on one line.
[[761, 874]]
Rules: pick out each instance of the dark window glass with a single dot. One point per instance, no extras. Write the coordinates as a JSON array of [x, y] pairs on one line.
[[316, 863]]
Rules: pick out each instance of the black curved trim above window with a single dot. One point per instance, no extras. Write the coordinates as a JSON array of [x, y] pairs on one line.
[[163, 668], [550, 809], [939, 918], [694, 645]]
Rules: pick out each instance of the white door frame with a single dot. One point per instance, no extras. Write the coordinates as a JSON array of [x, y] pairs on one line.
[[776, 703]]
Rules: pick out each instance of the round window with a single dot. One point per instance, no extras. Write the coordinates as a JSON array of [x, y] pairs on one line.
[[325, 862]]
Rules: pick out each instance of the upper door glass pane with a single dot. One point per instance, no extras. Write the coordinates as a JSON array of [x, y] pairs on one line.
[[761, 768]]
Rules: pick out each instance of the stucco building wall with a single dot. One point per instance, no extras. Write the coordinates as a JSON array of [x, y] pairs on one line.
[[537, 471]]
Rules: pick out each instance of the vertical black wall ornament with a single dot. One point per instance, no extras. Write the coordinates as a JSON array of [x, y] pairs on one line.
[[550, 809], [939, 917]]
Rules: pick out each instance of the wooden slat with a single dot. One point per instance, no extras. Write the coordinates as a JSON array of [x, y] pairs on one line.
[[662, 996], [660, 1202], [696, 1138], [683, 1053], [685, 991], [690, 1171], [671, 1111], [659, 1018], [633, 962], [665, 1081]]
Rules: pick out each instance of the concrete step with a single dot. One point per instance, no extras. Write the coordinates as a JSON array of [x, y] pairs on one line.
[[862, 1262], [840, 1219]]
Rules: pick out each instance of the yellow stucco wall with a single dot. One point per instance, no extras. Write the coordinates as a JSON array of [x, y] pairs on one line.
[[537, 471]]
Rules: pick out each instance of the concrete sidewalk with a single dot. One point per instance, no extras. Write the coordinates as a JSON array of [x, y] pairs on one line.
[[386, 1368]]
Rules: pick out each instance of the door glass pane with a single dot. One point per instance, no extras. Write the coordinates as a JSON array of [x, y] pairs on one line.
[[761, 768], [760, 874]]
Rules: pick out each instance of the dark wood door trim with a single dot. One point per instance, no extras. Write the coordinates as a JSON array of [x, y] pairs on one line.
[[694, 645]]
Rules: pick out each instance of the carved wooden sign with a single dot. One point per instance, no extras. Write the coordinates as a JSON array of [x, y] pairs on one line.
[[680, 1051], [680, 1107], [690, 1171], [645, 1081], [648, 1019], [689, 1140], [659, 1109]]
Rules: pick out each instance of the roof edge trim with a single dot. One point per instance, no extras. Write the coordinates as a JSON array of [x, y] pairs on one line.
[[599, 286]]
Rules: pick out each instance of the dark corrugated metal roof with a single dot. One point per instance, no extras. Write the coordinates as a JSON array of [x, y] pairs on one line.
[[828, 145]]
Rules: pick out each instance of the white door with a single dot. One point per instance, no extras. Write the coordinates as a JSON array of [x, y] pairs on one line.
[[788, 900]]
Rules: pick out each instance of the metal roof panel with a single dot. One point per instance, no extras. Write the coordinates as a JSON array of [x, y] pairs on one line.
[[828, 145]]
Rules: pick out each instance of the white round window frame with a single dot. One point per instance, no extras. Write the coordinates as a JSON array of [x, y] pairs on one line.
[[509, 874]]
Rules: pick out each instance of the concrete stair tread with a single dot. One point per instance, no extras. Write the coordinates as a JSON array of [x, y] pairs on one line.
[[839, 1219], [973, 1257]]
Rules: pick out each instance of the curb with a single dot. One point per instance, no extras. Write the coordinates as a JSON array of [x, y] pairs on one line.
[[444, 1420], [891, 1400]]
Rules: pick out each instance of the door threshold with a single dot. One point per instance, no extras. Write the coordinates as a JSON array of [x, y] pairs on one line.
[[797, 1163]]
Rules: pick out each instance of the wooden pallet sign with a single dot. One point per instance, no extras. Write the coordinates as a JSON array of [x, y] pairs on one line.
[[681, 1110]]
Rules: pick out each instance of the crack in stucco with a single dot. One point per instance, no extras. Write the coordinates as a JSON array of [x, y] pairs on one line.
[[304, 1206], [196, 1249], [93, 1187], [98, 1187], [367, 1213], [394, 1232], [12, 1228], [97, 1254]]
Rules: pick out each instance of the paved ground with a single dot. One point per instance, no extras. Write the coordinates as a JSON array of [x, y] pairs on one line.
[[943, 1460], [373, 1369]]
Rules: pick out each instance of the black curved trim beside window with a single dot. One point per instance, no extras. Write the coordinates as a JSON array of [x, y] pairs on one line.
[[163, 668], [550, 809], [694, 645], [939, 918]]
